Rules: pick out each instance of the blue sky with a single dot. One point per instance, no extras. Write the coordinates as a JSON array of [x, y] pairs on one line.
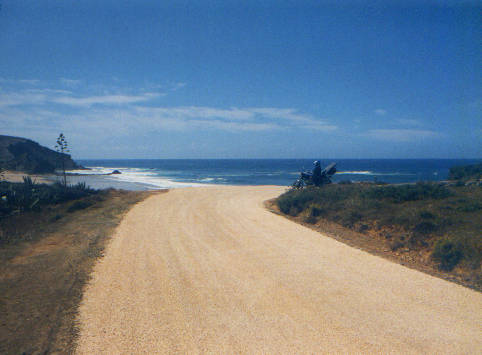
[[244, 79]]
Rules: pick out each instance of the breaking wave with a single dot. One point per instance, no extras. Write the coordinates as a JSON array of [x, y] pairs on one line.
[[362, 172], [140, 176]]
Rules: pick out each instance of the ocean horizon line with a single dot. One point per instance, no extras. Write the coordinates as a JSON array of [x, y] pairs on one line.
[[312, 158]]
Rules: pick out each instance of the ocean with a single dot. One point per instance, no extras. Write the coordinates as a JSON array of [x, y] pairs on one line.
[[144, 174]]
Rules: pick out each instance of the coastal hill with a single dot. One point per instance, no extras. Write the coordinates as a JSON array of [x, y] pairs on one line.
[[21, 154]]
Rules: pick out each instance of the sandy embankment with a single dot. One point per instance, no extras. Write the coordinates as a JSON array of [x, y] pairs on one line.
[[16, 176], [209, 270]]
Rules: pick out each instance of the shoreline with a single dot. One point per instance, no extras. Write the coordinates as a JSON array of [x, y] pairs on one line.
[[95, 181], [17, 176], [125, 181]]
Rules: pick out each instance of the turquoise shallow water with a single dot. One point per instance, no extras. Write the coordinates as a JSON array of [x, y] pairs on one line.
[[140, 174]]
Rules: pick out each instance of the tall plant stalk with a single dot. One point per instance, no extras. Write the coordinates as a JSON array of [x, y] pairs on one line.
[[63, 148]]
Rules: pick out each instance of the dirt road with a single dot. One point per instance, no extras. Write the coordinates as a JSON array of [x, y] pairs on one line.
[[209, 270]]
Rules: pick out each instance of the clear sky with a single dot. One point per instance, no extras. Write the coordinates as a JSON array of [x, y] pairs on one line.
[[244, 79]]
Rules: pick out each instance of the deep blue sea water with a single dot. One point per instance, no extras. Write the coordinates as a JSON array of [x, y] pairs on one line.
[[169, 173]]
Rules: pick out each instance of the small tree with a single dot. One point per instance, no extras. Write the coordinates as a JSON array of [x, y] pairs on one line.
[[63, 148]]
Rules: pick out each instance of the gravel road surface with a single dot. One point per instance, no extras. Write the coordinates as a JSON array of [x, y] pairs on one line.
[[211, 271]]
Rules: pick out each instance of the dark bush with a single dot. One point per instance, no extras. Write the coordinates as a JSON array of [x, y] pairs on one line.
[[311, 220], [417, 239], [470, 207], [293, 202], [396, 244], [447, 253], [351, 218], [56, 218], [363, 228], [18, 197], [403, 193], [316, 211], [426, 215], [425, 227], [466, 172]]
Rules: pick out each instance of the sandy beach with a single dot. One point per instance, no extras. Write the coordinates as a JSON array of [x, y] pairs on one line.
[[210, 270], [96, 181], [17, 176]]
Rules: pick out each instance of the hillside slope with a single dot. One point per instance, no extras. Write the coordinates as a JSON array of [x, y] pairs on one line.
[[21, 154]]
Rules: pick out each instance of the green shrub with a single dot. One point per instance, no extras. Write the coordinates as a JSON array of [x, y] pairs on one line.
[[316, 211], [426, 227], [363, 228], [466, 172], [351, 218], [417, 239], [396, 244], [470, 207], [403, 193], [426, 215], [18, 197], [293, 202], [447, 253], [310, 219], [56, 217]]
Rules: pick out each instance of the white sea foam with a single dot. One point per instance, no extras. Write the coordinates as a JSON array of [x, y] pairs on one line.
[[137, 175], [94, 170], [210, 179], [363, 172], [359, 172]]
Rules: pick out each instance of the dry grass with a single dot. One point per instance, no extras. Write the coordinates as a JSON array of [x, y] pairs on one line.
[[43, 272]]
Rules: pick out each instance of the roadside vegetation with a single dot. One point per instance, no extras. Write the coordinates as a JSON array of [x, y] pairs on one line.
[[443, 221], [50, 238], [466, 173], [29, 196]]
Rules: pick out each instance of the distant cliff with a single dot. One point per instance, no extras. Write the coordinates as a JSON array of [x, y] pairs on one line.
[[21, 154]]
